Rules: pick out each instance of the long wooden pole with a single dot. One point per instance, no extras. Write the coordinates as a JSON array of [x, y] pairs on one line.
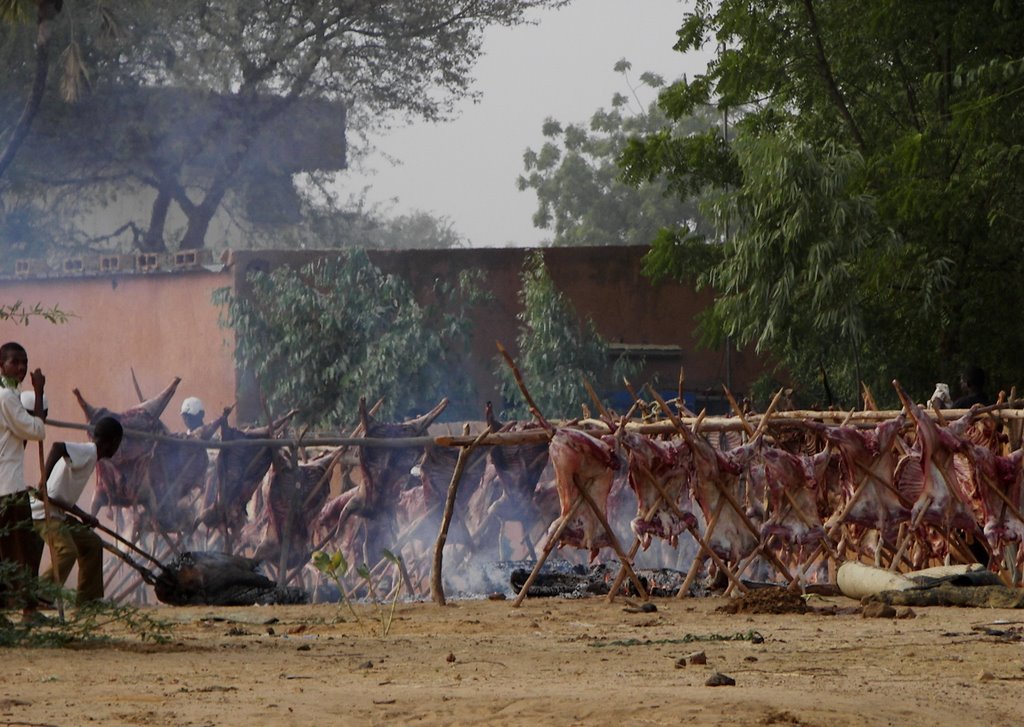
[[561, 524], [616, 546], [436, 579], [709, 530], [44, 495]]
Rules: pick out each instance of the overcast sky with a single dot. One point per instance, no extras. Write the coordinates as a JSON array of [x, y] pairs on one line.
[[466, 169]]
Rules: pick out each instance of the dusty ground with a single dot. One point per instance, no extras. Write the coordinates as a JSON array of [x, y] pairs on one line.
[[548, 662]]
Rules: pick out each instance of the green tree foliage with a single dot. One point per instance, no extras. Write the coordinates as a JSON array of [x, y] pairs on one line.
[[557, 350], [319, 338], [23, 314], [189, 101], [580, 196], [866, 206]]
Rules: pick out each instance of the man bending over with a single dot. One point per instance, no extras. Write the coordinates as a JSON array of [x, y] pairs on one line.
[[68, 468]]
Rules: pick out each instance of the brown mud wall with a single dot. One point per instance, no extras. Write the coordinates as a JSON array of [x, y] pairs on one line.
[[164, 324]]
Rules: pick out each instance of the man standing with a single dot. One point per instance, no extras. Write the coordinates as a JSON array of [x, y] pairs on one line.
[[192, 413], [20, 548]]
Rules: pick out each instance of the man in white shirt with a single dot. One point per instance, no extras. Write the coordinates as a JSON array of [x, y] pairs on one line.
[[192, 413], [19, 547], [68, 469]]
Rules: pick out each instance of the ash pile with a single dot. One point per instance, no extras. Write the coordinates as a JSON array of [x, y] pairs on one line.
[[568, 580]]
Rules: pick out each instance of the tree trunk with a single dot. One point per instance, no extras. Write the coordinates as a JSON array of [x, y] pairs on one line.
[[48, 10], [829, 78], [153, 241], [198, 225]]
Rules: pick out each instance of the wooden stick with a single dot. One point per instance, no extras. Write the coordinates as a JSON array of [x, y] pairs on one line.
[[135, 383], [616, 546], [549, 545], [914, 525], [104, 529], [737, 411], [869, 399], [597, 402], [522, 387], [44, 494], [711, 424], [621, 575], [684, 590], [436, 581]]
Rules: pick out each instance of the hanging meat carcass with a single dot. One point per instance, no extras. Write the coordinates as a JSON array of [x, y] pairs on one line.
[[364, 519], [293, 495], [795, 485], [717, 473], [424, 504], [657, 469], [148, 473], [942, 502], [871, 499], [237, 474], [582, 461], [509, 488], [998, 490]]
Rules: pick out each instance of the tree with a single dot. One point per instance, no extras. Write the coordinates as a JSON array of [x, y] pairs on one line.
[[12, 11], [580, 195], [865, 206], [557, 350], [319, 338], [193, 87]]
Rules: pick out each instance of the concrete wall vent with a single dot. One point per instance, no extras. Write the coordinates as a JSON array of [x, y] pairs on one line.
[[147, 262], [30, 268]]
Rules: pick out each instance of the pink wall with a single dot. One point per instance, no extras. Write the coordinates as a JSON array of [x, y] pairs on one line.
[[161, 324]]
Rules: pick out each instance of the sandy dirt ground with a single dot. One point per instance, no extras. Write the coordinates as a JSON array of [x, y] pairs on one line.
[[552, 661]]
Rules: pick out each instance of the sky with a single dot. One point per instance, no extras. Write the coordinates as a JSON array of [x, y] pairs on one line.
[[466, 170]]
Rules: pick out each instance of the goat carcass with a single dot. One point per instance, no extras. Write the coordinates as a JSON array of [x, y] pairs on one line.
[[871, 497], [582, 461], [237, 474], [795, 491], [142, 472], [657, 467]]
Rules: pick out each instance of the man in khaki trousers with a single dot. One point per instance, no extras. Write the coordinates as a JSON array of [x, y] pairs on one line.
[[68, 469]]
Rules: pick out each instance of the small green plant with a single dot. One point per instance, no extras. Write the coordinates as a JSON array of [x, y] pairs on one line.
[[335, 567]]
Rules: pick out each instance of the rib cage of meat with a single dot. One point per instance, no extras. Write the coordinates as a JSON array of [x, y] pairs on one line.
[[670, 465], [716, 472], [943, 502], [794, 518], [869, 456], [581, 460]]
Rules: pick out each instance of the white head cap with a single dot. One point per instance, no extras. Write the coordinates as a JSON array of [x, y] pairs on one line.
[[193, 406], [28, 400]]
